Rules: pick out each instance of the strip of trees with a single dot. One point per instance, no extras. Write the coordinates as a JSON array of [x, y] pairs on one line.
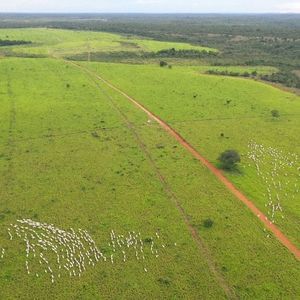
[[4, 43]]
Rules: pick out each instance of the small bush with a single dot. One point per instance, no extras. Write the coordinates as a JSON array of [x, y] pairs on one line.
[[208, 223], [164, 280], [275, 113], [95, 134], [163, 63], [148, 240], [229, 159]]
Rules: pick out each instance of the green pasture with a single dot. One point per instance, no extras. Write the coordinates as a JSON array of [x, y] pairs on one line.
[[56, 42], [215, 113], [76, 154], [53, 169], [69, 158]]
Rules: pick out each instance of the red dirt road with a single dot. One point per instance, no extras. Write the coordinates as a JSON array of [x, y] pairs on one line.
[[269, 225]]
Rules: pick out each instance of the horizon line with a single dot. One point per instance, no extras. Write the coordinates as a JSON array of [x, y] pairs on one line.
[[153, 13]]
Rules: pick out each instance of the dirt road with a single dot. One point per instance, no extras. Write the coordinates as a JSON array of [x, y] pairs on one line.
[[218, 173]]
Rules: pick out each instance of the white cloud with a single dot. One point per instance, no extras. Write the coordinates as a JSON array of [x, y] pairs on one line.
[[290, 7], [147, 2], [151, 6]]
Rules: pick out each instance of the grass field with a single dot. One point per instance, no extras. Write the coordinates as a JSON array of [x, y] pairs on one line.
[[65, 42], [212, 105], [76, 154]]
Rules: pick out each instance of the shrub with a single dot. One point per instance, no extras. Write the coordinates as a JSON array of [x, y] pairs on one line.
[[95, 134], [163, 63], [208, 223], [275, 113], [148, 240], [229, 159], [164, 280]]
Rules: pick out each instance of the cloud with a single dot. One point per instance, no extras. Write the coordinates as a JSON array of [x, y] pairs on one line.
[[150, 6], [290, 7], [147, 2]]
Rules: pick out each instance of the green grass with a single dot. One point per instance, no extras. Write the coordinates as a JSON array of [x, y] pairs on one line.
[[59, 173], [197, 106], [54, 170], [75, 153], [56, 42]]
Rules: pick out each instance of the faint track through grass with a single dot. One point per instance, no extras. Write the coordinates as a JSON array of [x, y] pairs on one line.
[[168, 190], [11, 128], [263, 218]]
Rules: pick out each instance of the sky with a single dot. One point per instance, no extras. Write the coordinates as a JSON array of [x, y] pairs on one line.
[[152, 6]]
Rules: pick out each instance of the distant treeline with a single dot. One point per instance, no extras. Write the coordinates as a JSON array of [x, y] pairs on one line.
[[286, 78], [140, 55], [267, 40], [181, 53], [231, 73], [4, 43]]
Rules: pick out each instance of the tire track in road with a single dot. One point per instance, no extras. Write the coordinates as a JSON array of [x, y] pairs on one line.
[[284, 240], [204, 250]]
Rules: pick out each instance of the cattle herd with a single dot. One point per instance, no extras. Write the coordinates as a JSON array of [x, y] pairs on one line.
[[53, 252], [279, 172]]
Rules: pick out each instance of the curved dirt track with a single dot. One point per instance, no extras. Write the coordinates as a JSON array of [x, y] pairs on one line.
[[269, 225]]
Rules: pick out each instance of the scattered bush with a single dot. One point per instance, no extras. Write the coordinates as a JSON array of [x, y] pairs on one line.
[[164, 280], [208, 223], [95, 134], [148, 240], [275, 113], [163, 63], [229, 159]]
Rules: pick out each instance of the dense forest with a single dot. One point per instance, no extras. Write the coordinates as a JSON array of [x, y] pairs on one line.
[[272, 40]]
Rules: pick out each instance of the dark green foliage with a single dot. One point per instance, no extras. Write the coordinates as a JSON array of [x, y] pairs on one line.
[[148, 240], [182, 53], [163, 63], [287, 78], [164, 280], [208, 223], [229, 159], [95, 134], [230, 73], [4, 43], [275, 113], [269, 40]]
